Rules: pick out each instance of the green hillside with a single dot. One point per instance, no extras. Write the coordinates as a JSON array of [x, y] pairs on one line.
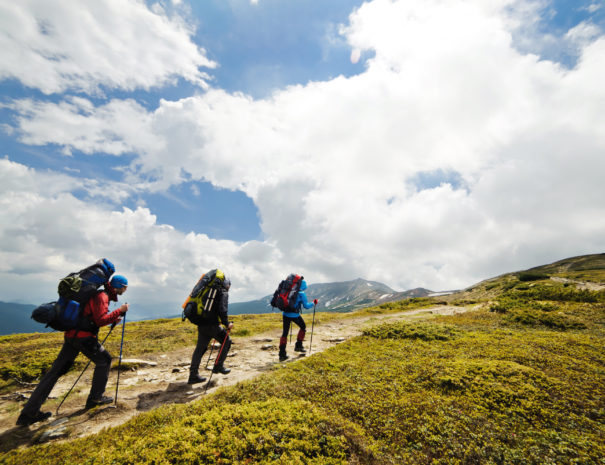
[[520, 380]]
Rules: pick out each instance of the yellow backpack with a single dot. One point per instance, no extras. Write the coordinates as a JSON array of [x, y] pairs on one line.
[[201, 300]]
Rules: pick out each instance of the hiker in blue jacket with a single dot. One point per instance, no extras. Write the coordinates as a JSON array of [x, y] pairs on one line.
[[295, 317]]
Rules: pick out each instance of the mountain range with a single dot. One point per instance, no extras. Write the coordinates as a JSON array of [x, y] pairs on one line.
[[338, 297], [343, 296], [16, 318]]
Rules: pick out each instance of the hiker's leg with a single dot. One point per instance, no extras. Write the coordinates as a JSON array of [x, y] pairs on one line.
[[92, 348], [203, 338], [303, 328], [300, 337], [285, 326], [60, 366], [283, 340], [220, 336]]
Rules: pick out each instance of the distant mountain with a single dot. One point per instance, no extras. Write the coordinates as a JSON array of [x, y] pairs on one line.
[[16, 318], [338, 297]]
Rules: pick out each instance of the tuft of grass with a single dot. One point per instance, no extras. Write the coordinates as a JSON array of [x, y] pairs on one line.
[[403, 330]]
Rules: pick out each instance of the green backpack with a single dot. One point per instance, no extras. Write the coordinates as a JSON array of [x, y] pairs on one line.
[[201, 301]]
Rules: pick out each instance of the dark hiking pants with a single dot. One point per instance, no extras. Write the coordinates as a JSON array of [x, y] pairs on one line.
[[286, 327], [92, 349], [204, 335]]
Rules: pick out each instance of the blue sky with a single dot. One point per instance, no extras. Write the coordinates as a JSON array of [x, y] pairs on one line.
[[408, 142]]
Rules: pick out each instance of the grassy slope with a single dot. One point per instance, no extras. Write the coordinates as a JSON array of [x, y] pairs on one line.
[[523, 383], [141, 338]]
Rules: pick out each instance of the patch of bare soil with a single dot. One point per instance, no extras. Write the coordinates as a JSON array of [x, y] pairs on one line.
[[580, 284], [162, 379]]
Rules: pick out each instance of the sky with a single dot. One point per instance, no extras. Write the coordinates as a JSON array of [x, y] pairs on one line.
[[418, 143]]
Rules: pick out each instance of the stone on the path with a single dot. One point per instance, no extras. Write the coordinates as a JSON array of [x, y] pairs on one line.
[[59, 421], [336, 339], [54, 434], [266, 347], [138, 361]]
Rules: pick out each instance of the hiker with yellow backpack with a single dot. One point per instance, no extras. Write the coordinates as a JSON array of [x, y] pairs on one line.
[[207, 307]]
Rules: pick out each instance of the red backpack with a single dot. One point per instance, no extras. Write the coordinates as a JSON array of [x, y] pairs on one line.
[[286, 294]]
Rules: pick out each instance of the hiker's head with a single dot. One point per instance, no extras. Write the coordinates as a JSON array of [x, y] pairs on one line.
[[226, 284], [119, 283], [303, 285]]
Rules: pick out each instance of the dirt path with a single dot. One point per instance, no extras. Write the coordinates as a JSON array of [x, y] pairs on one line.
[[164, 380]]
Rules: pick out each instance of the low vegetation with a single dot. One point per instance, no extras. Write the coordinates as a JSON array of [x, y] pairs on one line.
[[499, 385], [144, 338]]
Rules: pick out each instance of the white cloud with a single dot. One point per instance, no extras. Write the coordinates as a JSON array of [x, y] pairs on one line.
[[84, 46], [46, 232], [594, 7], [330, 165], [116, 128]]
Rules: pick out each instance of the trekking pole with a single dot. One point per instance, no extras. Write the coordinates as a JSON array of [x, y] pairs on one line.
[[113, 325], [312, 326], [120, 361], [291, 332], [216, 361], [209, 356]]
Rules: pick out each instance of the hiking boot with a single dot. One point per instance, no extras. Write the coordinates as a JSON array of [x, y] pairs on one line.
[[221, 369], [26, 420], [104, 400], [299, 347], [282, 353], [195, 378]]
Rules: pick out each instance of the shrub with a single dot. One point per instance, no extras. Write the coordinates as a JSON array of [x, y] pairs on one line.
[[402, 330], [532, 276], [540, 318]]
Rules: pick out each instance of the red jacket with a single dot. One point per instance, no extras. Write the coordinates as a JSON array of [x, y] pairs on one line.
[[96, 309]]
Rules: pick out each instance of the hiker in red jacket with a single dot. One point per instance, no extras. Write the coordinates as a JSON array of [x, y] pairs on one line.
[[83, 340]]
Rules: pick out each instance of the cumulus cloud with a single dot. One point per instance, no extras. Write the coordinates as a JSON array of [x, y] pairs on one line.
[[333, 166], [83, 46], [46, 231]]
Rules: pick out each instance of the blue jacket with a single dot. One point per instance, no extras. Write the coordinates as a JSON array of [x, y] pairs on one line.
[[301, 301]]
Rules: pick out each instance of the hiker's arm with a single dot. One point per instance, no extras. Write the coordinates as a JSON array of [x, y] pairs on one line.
[[99, 306], [223, 309], [303, 298]]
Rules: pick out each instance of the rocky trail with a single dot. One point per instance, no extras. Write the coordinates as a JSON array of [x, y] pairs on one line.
[[162, 379]]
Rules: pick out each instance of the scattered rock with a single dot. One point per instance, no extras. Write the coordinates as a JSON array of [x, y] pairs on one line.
[[59, 421], [266, 347], [54, 434], [231, 354], [15, 396], [336, 339], [136, 361], [176, 370]]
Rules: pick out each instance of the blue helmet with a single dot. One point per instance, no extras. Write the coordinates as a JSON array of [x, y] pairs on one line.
[[118, 281]]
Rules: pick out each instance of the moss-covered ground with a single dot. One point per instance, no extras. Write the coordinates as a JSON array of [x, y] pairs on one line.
[[521, 381]]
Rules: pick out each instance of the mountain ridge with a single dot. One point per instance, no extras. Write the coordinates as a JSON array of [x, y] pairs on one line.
[[339, 296]]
